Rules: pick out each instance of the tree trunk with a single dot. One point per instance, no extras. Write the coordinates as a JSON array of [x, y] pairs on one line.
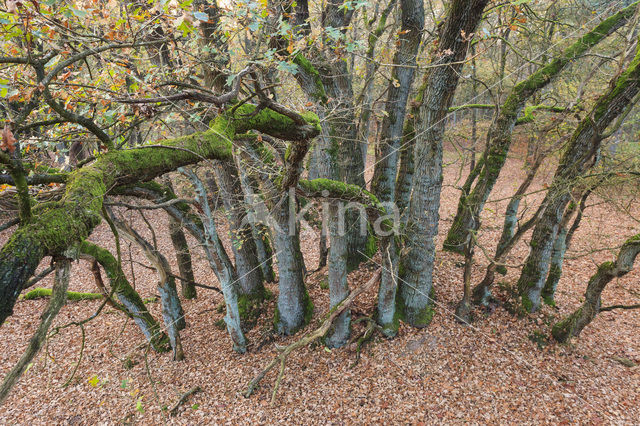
[[259, 230], [563, 240], [56, 302], [183, 254], [220, 264], [366, 97], [251, 288], [294, 308], [574, 323], [172, 312], [384, 177], [340, 330], [338, 153], [128, 297], [422, 223], [183, 258], [59, 224], [463, 310]]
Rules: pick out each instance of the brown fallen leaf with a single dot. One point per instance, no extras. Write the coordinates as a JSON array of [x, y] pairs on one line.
[[8, 140]]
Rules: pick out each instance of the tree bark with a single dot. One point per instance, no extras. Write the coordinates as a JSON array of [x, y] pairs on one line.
[[340, 330], [172, 312], [422, 223], [56, 302], [574, 323], [128, 297], [560, 246], [384, 176], [221, 265], [294, 308], [242, 241], [183, 254]]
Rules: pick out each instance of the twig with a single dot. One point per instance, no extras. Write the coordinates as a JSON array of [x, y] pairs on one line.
[[364, 337], [174, 410], [612, 307], [281, 358], [39, 277], [153, 207]]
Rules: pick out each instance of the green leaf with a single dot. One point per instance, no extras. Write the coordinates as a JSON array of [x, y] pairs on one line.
[[230, 79], [254, 26], [93, 381], [285, 66]]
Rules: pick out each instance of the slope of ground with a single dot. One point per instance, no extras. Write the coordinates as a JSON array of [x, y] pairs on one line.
[[499, 369]]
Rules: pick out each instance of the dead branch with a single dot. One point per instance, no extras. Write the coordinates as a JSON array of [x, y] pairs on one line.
[[174, 410], [194, 95], [308, 338], [612, 307]]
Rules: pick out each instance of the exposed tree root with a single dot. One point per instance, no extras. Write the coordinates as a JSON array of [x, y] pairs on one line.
[[612, 307], [308, 338], [365, 337]]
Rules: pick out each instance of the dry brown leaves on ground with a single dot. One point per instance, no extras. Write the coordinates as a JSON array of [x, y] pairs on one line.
[[502, 369]]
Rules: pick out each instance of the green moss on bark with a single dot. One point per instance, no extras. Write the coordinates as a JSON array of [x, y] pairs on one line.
[[39, 292], [420, 317]]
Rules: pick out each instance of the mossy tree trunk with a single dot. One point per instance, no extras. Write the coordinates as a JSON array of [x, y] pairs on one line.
[[580, 155], [499, 135], [242, 241], [338, 153], [127, 296], [57, 225], [294, 308], [172, 312], [183, 258], [372, 65], [259, 230], [422, 223], [220, 264], [508, 238], [58, 298], [560, 246], [574, 323]]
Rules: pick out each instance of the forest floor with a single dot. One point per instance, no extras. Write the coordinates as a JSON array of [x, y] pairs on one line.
[[500, 369]]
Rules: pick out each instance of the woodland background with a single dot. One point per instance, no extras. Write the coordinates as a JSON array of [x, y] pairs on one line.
[[141, 137]]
